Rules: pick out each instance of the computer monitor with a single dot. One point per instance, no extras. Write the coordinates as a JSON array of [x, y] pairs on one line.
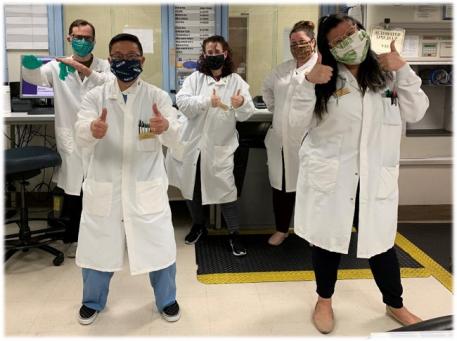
[[36, 91]]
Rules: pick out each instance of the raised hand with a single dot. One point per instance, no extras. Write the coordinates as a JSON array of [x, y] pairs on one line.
[[158, 124], [237, 100], [75, 65], [99, 127], [320, 74], [391, 61], [215, 99]]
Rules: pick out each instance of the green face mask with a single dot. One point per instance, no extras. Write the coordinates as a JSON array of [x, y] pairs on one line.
[[82, 47], [352, 50]]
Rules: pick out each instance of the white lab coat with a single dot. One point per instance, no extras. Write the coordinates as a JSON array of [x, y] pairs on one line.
[[211, 133], [278, 94], [125, 192], [68, 95], [359, 139]]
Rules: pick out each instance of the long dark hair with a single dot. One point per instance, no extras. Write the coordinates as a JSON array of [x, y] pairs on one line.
[[228, 67], [369, 76]]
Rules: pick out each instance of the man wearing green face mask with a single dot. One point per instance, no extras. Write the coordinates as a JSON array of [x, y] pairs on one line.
[[70, 87]]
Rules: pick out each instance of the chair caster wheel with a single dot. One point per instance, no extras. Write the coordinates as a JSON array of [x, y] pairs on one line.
[[58, 260]]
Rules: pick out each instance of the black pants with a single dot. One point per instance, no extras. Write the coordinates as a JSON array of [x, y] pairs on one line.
[[385, 269], [229, 210], [71, 214], [283, 204]]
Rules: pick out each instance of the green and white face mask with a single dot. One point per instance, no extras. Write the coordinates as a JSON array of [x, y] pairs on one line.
[[352, 50]]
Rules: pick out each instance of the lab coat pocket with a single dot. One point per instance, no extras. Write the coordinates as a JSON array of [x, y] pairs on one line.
[[388, 182], [65, 141], [391, 135], [150, 196], [223, 160], [97, 198], [273, 146], [322, 173], [177, 151], [148, 144]]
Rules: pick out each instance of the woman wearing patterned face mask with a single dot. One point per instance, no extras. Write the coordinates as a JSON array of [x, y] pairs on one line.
[[213, 99], [352, 151], [281, 93]]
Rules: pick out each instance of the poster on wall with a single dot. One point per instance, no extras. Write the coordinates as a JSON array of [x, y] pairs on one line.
[[145, 35], [193, 24]]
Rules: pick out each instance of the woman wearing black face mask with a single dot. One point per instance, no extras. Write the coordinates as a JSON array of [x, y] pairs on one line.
[[283, 140], [213, 99]]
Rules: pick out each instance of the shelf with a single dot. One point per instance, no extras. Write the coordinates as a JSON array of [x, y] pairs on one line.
[[417, 61], [427, 132], [426, 161]]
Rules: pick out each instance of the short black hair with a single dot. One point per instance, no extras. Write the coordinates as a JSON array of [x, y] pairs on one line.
[[125, 37], [81, 22]]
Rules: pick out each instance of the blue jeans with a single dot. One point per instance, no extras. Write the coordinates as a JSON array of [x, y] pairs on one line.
[[96, 287]]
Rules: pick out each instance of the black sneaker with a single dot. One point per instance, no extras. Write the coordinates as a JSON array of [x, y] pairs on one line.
[[171, 313], [194, 234], [237, 247], [87, 315]]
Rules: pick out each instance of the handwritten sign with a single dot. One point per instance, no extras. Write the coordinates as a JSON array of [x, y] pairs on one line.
[[381, 39]]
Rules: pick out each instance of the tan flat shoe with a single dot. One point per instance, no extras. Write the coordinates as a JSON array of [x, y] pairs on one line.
[[321, 319], [410, 317], [277, 238]]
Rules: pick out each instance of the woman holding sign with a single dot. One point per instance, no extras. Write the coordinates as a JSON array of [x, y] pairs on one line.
[[213, 99], [349, 160]]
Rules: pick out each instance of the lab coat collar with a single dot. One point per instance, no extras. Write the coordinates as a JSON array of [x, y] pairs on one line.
[[308, 64], [115, 91], [222, 81]]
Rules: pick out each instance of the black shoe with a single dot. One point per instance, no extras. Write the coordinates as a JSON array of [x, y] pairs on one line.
[[195, 233], [87, 315], [171, 313], [237, 247]]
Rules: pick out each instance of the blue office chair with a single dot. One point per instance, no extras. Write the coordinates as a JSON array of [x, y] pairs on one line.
[[22, 164]]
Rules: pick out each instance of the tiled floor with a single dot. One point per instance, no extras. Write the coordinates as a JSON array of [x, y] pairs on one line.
[[43, 300]]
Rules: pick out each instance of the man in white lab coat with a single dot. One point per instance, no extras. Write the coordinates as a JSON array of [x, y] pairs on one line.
[[349, 160], [122, 125], [283, 140], [213, 99], [70, 87]]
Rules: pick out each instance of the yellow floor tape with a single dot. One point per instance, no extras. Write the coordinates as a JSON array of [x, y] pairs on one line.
[[430, 268], [436, 270]]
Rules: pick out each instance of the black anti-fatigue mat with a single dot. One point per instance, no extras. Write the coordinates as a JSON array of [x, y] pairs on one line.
[[435, 239], [294, 254]]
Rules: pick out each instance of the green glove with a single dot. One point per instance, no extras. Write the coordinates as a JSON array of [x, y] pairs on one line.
[[63, 73], [31, 62], [70, 68]]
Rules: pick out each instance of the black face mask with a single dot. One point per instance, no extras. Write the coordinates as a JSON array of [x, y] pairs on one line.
[[126, 70], [215, 62]]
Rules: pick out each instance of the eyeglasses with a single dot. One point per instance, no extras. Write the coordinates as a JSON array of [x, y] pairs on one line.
[[350, 31], [300, 44], [130, 56], [82, 37]]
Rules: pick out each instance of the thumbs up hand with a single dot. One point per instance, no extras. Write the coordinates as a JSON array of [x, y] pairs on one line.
[[215, 99], [158, 124], [98, 127], [237, 100], [320, 73], [391, 61]]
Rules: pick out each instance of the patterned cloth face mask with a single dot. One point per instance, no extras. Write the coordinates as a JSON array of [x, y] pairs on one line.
[[302, 50], [353, 49]]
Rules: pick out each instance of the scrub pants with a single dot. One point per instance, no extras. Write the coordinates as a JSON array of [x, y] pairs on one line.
[[385, 269], [229, 210], [283, 204], [96, 287]]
